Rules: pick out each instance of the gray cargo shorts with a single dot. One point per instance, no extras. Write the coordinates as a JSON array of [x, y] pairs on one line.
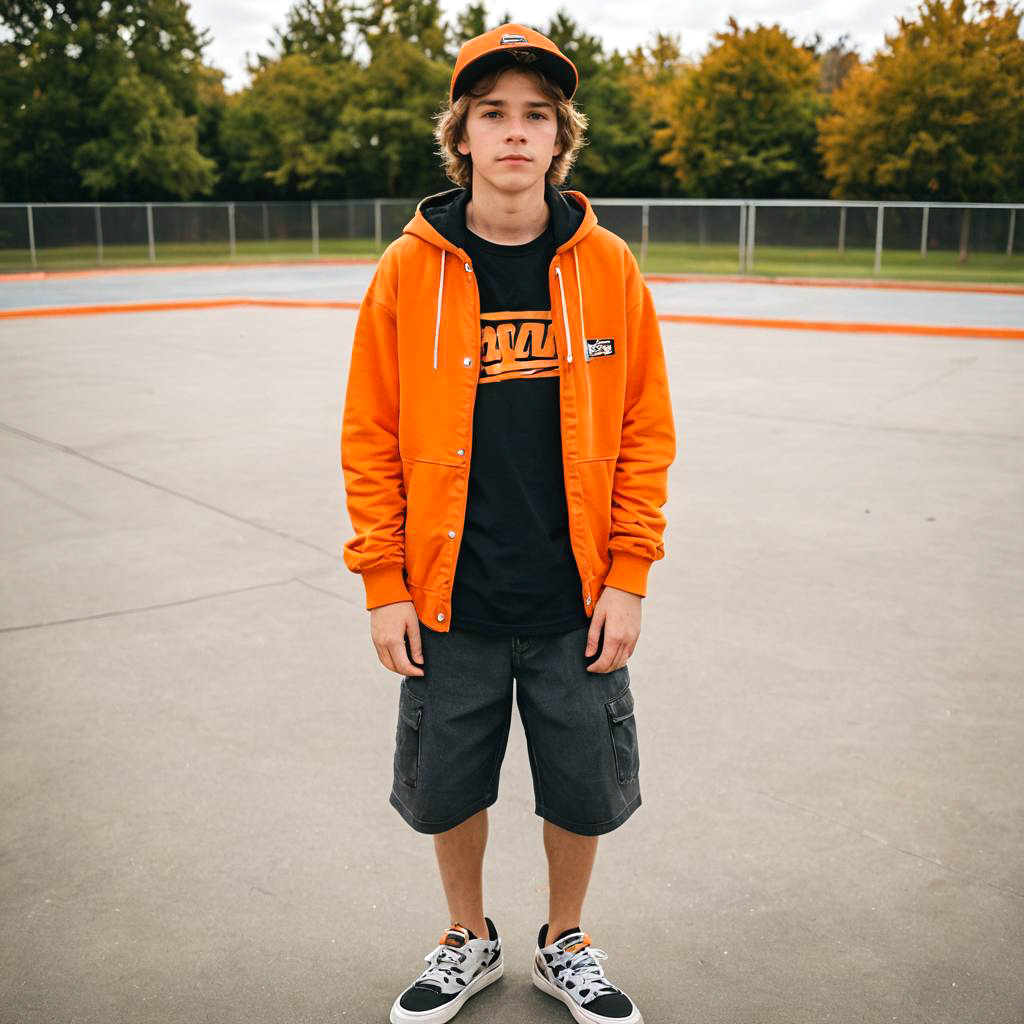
[[453, 725]]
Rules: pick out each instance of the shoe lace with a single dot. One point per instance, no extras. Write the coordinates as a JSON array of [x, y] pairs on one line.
[[583, 963], [443, 960]]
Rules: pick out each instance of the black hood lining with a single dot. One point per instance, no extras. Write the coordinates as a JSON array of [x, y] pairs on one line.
[[446, 213]]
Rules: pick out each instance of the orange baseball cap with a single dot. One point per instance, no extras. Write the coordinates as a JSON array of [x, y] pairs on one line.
[[492, 50]]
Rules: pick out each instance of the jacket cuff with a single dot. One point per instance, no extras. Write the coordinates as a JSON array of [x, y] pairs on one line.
[[628, 572], [385, 584]]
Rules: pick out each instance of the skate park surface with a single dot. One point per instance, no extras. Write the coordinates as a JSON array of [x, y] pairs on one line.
[[197, 736]]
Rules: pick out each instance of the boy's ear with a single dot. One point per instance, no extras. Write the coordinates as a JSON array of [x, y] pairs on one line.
[[463, 147]]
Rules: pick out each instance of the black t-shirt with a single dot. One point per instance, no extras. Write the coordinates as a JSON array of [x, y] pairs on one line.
[[516, 574]]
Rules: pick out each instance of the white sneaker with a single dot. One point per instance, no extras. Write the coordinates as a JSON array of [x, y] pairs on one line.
[[460, 966], [568, 970]]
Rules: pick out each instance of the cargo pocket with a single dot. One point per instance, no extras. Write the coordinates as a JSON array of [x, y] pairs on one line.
[[407, 738], [622, 723]]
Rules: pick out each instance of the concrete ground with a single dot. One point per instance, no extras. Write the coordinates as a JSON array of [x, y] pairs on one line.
[[196, 736]]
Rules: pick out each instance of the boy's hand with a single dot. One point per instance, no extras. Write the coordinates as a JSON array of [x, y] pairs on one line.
[[389, 626], [619, 612]]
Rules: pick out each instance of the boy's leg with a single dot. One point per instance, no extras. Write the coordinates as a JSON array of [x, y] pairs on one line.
[[570, 860], [460, 859], [452, 731], [582, 739]]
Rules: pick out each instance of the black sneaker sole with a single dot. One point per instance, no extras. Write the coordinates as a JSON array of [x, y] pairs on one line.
[[399, 1015], [579, 1014]]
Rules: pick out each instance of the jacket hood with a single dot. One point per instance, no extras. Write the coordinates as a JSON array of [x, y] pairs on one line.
[[441, 218]]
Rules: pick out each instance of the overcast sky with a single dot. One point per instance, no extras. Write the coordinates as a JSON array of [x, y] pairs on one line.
[[238, 26]]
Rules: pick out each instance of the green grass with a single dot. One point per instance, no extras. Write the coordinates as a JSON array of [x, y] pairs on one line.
[[790, 261], [662, 257]]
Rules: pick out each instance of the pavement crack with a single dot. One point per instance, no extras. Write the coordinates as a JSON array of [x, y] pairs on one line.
[[145, 608], [324, 590], [253, 524], [961, 364]]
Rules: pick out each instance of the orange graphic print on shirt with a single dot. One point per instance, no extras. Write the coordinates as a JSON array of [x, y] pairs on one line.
[[517, 344]]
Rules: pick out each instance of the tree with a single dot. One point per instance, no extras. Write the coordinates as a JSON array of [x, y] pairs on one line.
[[937, 114], [744, 123], [99, 98], [287, 133], [470, 23], [392, 120], [654, 76], [325, 30], [835, 62]]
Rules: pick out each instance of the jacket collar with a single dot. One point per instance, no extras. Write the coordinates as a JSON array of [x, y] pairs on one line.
[[441, 218]]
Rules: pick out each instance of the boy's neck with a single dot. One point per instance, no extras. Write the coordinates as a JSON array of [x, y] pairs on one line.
[[507, 218]]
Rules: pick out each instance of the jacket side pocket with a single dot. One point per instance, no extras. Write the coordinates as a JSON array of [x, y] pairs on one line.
[[429, 516], [596, 476]]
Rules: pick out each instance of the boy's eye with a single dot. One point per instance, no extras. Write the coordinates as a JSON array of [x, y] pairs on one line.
[[533, 113]]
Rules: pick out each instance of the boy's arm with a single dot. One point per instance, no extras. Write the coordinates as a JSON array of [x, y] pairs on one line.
[[370, 455], [646, 450]]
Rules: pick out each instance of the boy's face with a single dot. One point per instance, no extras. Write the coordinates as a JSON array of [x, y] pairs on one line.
[[515, 119]]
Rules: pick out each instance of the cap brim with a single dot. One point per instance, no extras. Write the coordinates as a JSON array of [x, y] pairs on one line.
[[553, 67]]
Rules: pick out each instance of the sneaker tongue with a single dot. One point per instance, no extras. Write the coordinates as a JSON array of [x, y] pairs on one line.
[[455, 936], [574, 938]]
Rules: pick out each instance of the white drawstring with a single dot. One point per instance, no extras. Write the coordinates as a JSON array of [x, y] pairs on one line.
[[437, 325], [579, 288], [565, 315], [565, 322]]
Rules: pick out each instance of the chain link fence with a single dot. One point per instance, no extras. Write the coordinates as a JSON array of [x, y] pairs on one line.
[[766, 237]]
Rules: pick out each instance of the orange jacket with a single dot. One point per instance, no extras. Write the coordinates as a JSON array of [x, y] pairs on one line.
[[408, 416]]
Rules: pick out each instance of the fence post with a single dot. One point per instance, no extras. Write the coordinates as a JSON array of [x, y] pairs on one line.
[[842, 230], [378, 230], [266, 224], [751, 233], [879, 225], [31, 236], [316, 228], [644, 233], [99, 234], [149, 230], [231, 231], [1013, 227], [743, 237], [924, 232]]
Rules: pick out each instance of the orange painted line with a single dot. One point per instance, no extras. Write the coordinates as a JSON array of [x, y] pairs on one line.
[[842, 282], [837, 326], [176, 268], [172, 305]]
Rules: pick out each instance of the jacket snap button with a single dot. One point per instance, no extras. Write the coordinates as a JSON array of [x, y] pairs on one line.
[[588, 599], [461, 451], [440, 616], [467, 361], [451, 533], [469, 269]]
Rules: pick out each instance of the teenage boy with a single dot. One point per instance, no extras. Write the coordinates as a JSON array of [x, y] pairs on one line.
[[506, 442]]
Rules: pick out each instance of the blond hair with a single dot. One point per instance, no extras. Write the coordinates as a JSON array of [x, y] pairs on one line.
[[450, 129]]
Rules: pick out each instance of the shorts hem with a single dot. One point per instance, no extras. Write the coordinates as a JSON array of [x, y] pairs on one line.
[[433, 827], [600, 828]]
